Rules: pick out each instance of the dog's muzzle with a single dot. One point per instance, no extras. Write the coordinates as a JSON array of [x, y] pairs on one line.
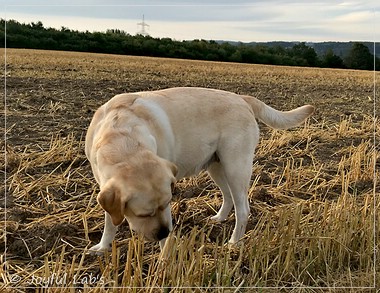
[[162, 233]]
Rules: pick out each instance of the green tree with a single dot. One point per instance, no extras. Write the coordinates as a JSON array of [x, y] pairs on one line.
[[377, 63], [330, 60], [359, 57], [236, 57], [301, 51]]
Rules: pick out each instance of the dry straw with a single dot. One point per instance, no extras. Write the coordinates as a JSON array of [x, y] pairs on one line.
[[323, 238]]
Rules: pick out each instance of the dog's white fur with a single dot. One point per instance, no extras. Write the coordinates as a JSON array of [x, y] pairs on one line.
[[139, 144]]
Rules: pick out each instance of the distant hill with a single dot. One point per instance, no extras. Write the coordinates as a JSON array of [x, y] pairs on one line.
[[340, 49]]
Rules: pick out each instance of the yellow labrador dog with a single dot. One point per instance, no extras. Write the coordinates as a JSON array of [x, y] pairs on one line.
[[139, 144]]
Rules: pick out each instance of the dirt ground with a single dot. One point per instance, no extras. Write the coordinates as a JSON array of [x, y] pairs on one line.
[[50, 100], [49, 93]]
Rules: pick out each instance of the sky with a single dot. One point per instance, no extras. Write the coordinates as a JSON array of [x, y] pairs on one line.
[[233, 20]]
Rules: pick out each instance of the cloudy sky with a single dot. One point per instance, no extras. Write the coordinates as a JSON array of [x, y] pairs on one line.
[[236, 20]]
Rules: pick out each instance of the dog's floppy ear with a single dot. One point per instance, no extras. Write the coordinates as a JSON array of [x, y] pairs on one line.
[[110, 199], [173, 168]]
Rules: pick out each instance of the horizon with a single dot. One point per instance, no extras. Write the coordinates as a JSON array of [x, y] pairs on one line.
[[244, 21], [226, 41]]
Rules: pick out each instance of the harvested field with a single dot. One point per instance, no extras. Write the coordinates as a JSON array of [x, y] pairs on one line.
[[313, 197]]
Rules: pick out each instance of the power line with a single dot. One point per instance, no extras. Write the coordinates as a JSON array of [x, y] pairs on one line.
[[143, 25]]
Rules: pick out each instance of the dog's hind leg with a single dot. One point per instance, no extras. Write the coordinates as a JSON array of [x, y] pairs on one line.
[[236, 156], [217, 174], [238, 177]]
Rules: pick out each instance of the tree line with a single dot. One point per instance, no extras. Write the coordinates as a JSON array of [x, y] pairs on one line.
[[114, 41]]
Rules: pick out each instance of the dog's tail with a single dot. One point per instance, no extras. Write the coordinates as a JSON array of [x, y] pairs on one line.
[[278, 119]]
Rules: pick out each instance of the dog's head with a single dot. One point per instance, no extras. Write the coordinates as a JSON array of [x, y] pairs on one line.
[[141, 193]]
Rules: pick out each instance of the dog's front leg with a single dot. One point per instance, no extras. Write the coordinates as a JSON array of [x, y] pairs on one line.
[[169, 223], [162, 244], [108, 235]]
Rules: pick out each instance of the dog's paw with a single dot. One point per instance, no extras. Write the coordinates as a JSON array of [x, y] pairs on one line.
[[99, 249], [235, 243], [218, 218], [234, 247]]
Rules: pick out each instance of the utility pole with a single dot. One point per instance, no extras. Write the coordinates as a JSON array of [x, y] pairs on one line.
[[143, 25]]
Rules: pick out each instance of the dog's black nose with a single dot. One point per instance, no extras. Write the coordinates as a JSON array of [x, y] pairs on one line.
[[162, 233]]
